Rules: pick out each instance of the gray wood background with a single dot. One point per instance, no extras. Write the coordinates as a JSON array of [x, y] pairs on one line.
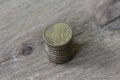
[[96, 29]]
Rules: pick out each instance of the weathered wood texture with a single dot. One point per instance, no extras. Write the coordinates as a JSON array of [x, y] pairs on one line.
[[96, 28]]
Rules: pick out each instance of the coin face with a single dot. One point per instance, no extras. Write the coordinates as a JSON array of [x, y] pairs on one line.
[[57, 34]]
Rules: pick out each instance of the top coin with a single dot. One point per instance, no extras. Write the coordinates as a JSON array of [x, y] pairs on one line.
[[57, 34]]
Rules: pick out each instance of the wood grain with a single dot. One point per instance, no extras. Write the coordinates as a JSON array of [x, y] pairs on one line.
[[22, 55]]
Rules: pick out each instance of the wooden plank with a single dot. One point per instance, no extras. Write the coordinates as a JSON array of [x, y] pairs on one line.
[[21, 26]]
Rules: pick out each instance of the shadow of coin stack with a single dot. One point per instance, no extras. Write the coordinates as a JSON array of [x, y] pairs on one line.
[[59, 43]]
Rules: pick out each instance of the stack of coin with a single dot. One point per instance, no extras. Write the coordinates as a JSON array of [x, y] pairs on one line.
[[59, 43]]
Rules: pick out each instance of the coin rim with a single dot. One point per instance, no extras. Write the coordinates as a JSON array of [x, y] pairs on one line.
[[60, 51], [46, 41], [58, 61]]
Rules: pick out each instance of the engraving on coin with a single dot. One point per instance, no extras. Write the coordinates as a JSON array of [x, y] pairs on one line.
[[58, 34]]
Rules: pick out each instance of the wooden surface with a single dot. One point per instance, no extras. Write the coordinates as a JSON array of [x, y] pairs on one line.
[[96, 28]]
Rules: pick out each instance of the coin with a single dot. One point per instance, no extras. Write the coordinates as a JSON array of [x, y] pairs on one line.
[[57, 34], [59, 43]]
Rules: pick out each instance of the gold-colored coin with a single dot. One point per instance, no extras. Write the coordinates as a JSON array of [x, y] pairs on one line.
[[59, 43], [57, 34]]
